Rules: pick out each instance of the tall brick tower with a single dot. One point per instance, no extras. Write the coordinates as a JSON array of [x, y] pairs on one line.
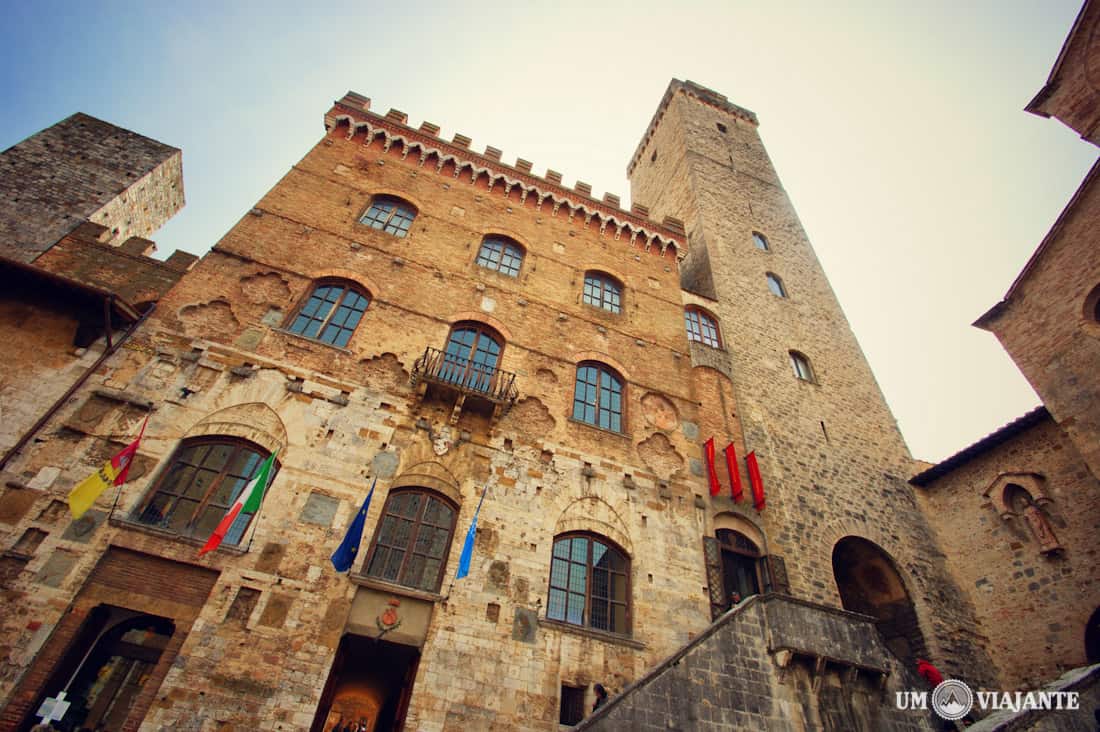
[[839, 510]]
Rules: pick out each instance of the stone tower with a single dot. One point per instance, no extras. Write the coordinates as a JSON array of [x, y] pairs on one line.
[[840, 512]]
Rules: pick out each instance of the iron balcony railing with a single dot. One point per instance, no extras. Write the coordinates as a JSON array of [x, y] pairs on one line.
[[466, 376]]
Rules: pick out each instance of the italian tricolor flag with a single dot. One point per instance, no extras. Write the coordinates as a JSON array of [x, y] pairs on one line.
[[248, 502]]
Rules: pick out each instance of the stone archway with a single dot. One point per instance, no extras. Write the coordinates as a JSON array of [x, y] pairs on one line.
[[869, 583]]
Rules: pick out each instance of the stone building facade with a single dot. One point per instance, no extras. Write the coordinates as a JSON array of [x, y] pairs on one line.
[[652, 414], [404, 309]]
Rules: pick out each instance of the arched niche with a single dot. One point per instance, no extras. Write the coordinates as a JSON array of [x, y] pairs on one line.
[[593, 515], [869, 583], [430, 474], [255, 422]]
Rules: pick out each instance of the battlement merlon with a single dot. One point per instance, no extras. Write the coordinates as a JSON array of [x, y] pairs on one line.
[[354, 109], [699, 92]]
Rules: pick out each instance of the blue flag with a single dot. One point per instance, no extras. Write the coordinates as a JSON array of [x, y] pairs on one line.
[[344, 556], [468, 545]]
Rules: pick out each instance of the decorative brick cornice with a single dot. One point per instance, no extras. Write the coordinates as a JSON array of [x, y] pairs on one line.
[[353, 111], [701, 94]]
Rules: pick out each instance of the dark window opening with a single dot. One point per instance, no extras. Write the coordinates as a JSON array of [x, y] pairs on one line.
[[572, 705], [413, 539]]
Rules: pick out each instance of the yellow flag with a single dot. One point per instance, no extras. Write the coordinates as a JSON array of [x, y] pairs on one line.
[[88, 490]]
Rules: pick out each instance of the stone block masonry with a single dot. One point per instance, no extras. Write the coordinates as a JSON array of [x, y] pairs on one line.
[[82, 169]]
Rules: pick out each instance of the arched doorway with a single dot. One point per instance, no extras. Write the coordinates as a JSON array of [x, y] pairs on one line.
[[471, 356], [1092, 638], [870, 583], [106, 668]]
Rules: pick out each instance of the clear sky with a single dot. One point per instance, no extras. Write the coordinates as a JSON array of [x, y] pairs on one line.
[[896, 127]]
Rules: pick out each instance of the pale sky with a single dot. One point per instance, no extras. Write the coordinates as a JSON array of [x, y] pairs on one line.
[[896, 128]]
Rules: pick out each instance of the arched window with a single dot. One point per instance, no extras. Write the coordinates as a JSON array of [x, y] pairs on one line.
[[390, 214], [740, 565], [413, 539], [776, 285], [702, 328], [801, 366], [472, 356], [331, 312], [760, 241], [589, 583], [502, 255], [598, 396], [203, 479], [602, 291]]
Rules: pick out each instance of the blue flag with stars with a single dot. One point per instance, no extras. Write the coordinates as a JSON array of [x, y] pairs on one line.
[[344, 556], [468, 545]]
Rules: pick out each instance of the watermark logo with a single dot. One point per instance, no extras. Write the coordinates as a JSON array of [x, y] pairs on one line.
[[952, 699]]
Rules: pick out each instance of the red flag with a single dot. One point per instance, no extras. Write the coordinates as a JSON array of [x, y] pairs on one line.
[[735, 474], [712, 474], [757, 483]]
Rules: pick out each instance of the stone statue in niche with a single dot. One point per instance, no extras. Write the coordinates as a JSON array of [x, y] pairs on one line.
[[1021, 503]]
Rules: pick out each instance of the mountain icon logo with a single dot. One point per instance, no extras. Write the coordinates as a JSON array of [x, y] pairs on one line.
[[952, 699]]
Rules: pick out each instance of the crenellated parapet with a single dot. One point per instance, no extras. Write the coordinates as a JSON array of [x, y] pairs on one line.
[[548, 192]]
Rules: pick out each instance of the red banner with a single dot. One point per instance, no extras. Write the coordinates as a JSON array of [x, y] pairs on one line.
[[712, 474], [735, 474], [755, 480]]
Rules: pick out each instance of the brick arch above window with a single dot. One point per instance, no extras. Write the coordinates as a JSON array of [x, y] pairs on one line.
[[338, 273], [602, 357], [477, 316]]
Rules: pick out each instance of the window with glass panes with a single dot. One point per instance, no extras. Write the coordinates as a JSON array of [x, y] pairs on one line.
[[760, 241], [589, 584], [603, 292], [598, 397], [702, 328], [500, 255], [801, 366], [204, 477], [331, 313], [391, 215], [412, 540]]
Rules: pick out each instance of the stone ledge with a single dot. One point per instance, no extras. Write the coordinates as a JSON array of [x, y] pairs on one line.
[[591, 633], [382, 586], [126, 523]]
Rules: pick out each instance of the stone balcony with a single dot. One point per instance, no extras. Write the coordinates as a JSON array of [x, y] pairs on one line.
[[473, 385]]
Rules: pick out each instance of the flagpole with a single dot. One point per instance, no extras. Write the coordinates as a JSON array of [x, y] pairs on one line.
[[118, 495], [454, 578]]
